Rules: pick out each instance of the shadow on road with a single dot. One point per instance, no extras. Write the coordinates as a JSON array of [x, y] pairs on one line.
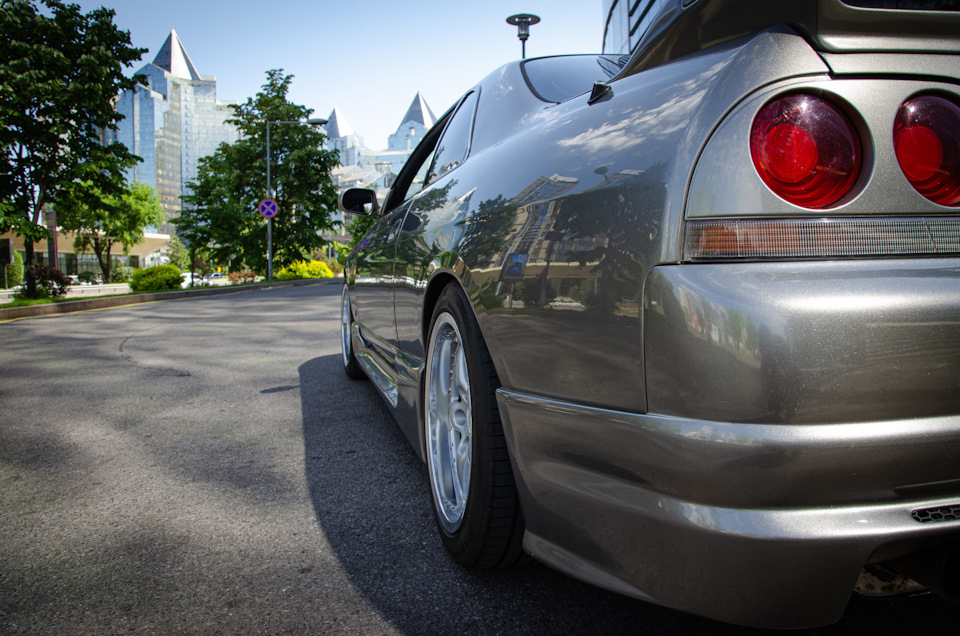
[[370, 495]]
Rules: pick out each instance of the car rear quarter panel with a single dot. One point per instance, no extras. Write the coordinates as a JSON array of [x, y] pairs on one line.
[[565, 218]]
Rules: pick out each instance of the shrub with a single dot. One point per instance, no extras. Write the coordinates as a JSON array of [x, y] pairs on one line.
[[242, 277], [120, 273], [304, 269], [52, 280], [88, 277], [335, 266], [15, 271], [51, 283], [159, 278]]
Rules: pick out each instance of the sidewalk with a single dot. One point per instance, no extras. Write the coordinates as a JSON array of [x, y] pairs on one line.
[[70, 306], [79, 291]]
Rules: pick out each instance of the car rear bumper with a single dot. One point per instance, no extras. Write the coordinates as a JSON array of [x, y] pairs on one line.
[[798, 415], [694, 514], [804, 342]]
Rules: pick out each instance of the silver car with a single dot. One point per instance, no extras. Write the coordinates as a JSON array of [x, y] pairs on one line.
[[686, 325]]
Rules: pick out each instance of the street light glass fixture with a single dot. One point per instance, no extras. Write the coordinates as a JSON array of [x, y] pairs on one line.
[[309, 122], [523, 21]]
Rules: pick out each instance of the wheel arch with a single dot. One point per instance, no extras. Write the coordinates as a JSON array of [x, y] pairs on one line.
[[430, 297], [435, 286]]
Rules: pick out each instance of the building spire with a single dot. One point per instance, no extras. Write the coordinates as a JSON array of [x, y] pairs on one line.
[[337, 125], [173, 58], [419, 112]]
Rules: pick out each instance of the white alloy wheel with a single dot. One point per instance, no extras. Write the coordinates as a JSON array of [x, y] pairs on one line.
[[471, 481], [449, 424]]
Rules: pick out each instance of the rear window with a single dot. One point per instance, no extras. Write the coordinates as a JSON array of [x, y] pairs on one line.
[[557, 79], [907, 5]]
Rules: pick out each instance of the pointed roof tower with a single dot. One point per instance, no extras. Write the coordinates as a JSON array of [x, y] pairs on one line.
[[419, 112], [173, 58], [337, 125]]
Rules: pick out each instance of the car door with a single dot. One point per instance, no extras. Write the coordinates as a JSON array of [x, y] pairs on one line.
[[375, 275], [373, 284]]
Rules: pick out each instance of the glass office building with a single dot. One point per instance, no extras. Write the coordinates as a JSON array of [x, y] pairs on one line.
[[626, 23], [171, 120]]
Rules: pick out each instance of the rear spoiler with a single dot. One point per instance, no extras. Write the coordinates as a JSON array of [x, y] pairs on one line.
[[683, 27]]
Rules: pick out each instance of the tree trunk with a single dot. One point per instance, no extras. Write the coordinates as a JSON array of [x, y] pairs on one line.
[[108, 273], [29, 273], [102, 250], [30, 257]]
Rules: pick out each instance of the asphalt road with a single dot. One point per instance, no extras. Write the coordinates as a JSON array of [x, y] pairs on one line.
[[203, 466]]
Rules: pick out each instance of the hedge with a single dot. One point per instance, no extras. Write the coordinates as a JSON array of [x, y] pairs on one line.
[[159, 278]]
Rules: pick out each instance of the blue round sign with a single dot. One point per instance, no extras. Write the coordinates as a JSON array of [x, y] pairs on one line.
[[268, 208]]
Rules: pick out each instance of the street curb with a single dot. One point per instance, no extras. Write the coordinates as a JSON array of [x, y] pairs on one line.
[[71, 306]]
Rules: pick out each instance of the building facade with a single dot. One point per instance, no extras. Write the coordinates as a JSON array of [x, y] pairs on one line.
[[415, 123], [361, 167], [171, 120]]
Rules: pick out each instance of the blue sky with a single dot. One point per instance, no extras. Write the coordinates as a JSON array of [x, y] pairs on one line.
[[366, 57]]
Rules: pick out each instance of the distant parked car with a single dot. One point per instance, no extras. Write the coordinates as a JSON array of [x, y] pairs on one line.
[[685, 325], [216, 278], [189, 279]]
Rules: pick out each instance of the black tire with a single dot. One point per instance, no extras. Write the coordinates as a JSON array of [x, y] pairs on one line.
[[481, 524], [351, 366]]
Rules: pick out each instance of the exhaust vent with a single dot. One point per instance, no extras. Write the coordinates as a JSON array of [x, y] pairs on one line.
[[933, 515]]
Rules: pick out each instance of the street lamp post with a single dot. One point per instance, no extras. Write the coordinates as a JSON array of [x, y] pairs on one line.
[[309, 122], [523, 21]]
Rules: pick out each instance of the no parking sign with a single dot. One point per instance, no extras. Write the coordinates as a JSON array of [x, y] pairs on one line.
[[268, 208]]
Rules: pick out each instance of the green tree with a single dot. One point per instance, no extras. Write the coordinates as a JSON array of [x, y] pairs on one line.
[[60, 71], [221, 211], [178, 254], [115, 221]]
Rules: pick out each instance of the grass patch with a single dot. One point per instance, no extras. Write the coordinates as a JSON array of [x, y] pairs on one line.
[[29, 302], [44, 301]]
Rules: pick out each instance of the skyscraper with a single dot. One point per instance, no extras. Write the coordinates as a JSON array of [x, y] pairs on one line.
[[171, 120]]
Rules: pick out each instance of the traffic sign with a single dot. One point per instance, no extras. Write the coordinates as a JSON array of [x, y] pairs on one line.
[[268, 208]]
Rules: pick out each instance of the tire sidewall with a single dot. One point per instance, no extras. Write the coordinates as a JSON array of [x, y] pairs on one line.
[[348, 357]]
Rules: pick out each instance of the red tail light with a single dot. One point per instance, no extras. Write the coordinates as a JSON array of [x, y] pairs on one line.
[[805, 150], [926, 137]]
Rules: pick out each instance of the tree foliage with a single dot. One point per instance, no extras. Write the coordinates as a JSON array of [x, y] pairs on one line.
[[59, 75], [178, 254], [115, 221], [220, 215]]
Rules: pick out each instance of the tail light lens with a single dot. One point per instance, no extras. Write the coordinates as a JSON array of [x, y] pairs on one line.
[[783, 239], [926, 138], [805, 150]]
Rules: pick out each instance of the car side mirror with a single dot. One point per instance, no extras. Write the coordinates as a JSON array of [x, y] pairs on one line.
[[356, 200]]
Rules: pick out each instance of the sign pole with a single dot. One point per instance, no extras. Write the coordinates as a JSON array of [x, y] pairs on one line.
[[269, 223], [270, 250], [268, 208]]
